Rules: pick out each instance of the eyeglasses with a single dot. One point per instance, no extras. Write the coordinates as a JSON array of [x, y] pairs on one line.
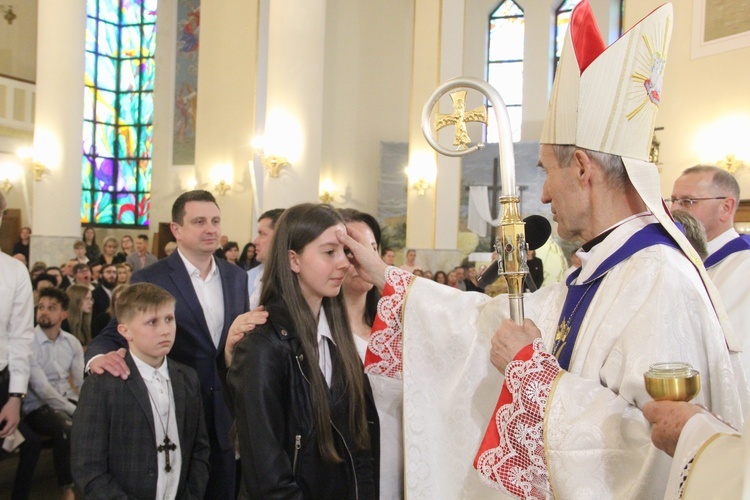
[[690, 202]]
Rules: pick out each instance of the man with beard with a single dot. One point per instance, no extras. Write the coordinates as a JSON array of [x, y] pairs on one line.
[[102, 294], [50, 403]]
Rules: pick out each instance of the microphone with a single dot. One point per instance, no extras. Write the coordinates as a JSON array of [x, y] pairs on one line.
[[538, 231]]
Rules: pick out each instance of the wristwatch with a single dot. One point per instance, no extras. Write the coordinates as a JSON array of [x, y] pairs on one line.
[[18, 395]]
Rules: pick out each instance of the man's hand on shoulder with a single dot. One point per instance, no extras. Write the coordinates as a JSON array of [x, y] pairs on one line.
[[112, 363]]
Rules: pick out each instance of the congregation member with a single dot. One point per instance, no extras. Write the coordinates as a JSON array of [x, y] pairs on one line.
[[103, 291], [568, 422], [79, 250], [145, 436], [460, 274], [51, 400], [388, 256], [61, 281], [124, 272], [296, 381], [92, 250], [266, 224], [248, 258], [16, 348], [101, 320], [712, 196], [22, 245], [82, 275], [127, 246], [79, 318], [109, 253], [141, 258], [410, 264], [210, 295], [231, 252]]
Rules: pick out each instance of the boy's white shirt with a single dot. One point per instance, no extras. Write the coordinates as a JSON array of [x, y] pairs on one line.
[[159, 386]]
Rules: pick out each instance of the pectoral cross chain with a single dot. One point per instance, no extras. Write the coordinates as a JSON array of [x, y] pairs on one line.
[[166, 448]]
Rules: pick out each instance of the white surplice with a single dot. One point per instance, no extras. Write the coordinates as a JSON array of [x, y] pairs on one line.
[[650, 308], [731, 277]]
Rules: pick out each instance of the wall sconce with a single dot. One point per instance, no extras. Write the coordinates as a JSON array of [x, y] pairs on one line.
[[8, 13], [730, 163], [6, 186], [222, 187], [37, 167], [327, 191], [273, 164], [421, 178]]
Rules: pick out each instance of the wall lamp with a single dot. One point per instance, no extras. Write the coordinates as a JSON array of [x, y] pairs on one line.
[[730, 163], [421, 178], [37, 167], [327, 191], [273, 164]]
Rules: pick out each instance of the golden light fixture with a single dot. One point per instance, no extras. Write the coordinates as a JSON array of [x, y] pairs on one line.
[[38, 170], [327, 191], [273, 164], [6, 186], [223, 186], [8, 13], [730, 163], [421, 185]]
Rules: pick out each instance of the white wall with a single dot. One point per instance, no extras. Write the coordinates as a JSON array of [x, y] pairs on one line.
[[18, 41]]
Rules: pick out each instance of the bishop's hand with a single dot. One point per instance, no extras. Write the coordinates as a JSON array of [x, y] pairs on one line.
[[509, 339], [363, 257]]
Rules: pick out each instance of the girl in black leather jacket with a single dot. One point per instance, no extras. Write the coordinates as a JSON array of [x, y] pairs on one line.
[[297, 381]]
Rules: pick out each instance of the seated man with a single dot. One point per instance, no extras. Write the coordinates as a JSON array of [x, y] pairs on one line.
[[50, 403]]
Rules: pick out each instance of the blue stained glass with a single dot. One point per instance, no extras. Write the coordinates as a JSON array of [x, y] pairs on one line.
[[116, 164], [147, 68], [126, 177], [108, 39], [109, 10], [105, 106], [126, 208], [104, 170], [90, 34], [147, 107], [104, 140]]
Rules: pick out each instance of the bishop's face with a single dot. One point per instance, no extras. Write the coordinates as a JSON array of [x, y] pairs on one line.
[[562, 190]]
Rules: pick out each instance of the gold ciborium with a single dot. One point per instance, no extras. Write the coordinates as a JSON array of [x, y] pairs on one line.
[[672, 382]]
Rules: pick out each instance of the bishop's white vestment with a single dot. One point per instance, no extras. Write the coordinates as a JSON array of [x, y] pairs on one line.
[[576, 434]]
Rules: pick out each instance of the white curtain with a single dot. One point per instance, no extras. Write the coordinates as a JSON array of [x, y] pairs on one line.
[[479, 211]]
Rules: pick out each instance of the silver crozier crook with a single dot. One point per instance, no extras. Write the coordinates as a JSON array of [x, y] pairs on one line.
[[511, 243]]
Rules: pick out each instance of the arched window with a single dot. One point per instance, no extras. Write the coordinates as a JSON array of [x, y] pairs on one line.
[[562, 20], [118, 112], [505, 63]]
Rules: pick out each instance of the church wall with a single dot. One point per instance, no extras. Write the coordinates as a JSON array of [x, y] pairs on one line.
[[368, 61], [698, 94], [18, 42]]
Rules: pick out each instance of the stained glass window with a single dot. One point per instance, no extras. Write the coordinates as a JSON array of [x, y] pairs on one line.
[[505, 63], [118, 112]]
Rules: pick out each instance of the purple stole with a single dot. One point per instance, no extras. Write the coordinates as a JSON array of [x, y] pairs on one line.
[[738, 244], [579, 296]]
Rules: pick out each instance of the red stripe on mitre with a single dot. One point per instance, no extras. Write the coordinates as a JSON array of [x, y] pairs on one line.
[[587, 39]]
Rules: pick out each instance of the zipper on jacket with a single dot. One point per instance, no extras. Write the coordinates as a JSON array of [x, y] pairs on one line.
[[348, 452], [297, 446], [351, 460]]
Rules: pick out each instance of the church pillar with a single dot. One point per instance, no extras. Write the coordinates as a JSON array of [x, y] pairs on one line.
[[58, 130], [293, 121], [226, 106], [432, 217]]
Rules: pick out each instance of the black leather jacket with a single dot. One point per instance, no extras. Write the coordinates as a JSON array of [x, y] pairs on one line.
[[269, 383]]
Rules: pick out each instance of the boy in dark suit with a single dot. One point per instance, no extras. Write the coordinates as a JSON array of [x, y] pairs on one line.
[[144, 437]]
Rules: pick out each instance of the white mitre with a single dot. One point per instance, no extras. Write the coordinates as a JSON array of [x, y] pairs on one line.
[[605, 99]]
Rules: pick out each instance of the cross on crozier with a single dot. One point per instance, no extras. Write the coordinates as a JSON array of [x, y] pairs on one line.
[[166, 447], [459, 117]]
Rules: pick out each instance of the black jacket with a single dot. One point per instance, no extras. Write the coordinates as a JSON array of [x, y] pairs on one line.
[[269, 383]]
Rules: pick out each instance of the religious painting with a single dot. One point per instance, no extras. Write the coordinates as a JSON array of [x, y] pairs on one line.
[[392, 199], [186, 81], [719, 26]]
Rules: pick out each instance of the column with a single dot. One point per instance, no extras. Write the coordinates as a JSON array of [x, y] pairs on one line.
[[56, 206]]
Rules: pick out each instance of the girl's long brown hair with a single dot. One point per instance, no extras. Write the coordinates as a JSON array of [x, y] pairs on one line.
[[298, 226]]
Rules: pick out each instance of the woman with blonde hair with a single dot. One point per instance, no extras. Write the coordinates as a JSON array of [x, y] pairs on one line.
[[123, 273], [109, 253], [79, 313]]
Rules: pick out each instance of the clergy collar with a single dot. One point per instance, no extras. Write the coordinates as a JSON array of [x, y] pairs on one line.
[[586, 247]]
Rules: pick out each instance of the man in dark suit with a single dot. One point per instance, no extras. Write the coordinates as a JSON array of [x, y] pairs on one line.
[[102, 294], [211, 293]]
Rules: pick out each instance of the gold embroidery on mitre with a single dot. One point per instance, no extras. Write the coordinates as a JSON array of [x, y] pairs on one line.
[[649, 74]]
